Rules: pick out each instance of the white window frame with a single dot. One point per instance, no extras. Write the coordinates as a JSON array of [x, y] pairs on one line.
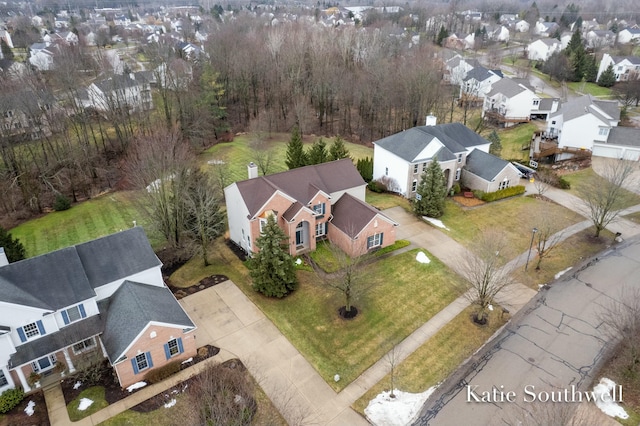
[[33, 330], [458, 171], [504, 184], [319, 209], [414, 186], [603, 131], [86, 346], [459, 158], [263, 223], [536, 102], [376, 241], [173, 345], [321, 229], [3, 379], [415, 168], [140, 360], [77, 309], [35, 366]]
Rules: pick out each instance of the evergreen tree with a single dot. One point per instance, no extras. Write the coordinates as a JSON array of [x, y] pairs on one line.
[[591, 69], [296, 157], [13, 248], [318, 152], [7, 53], [496, 144], [365, 167], [608, 77], [272, 268], [575, 42], [442, 34], [432, 190], [338, 151]]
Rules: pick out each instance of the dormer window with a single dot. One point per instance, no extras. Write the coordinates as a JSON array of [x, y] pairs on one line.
[[319, 209], [73, 314], [30, 331]]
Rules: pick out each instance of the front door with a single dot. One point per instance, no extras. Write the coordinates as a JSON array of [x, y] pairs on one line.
[[299, 235]]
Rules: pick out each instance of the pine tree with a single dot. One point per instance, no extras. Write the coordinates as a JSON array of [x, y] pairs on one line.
[[13, 248], [318, 152], [296, 156], [432, 190], [272, 268], [442, 34], [496, 144], [365, 167], [608, 77], [338, 151]]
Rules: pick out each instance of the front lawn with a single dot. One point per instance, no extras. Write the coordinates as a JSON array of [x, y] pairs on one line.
[[326, 259], [436, 359], [593, 89], [83, 222], [627, 198], [95, 394], [513, 139], [515, 218], [383, 201]]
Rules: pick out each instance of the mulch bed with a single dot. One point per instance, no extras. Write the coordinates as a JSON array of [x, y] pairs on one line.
[[112, 390], [180, 292], [467, 202], [17, 416]]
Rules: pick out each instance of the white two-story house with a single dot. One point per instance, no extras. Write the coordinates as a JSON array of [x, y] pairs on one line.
[[510, 101]]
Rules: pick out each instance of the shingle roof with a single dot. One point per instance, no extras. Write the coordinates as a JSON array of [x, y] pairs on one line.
[[629, 136], [130, 310], [351, 215], [507, 87], [456, 138], [301, 184], [485, 165], [584, 105], [479, 74], [117, 82]]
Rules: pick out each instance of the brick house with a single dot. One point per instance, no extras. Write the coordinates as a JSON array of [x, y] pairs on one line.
[[324, 201], [102, 299]]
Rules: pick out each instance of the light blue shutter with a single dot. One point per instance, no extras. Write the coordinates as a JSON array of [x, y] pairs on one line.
[[167, 352], [41, 327], [148, 355], [83, 313], [381, 236], [23, 337], [134, 364], [180, 347], [65, 317]]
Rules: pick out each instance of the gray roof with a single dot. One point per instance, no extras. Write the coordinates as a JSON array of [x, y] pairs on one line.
[[456, 138], [484, 165], [117, 82], [632, 59], [629, 136], [116, 256], [547, 103], [52, 342], [301, 184], [51, 281], [584, 104], [479, 74], [130, 310], [507, 87]]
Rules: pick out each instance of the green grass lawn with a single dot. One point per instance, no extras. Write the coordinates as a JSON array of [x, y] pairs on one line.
[[627, 198], [514, 217], [83, 222], [384, 201], [513, 139], [432, 362], [239, 153], [96, 394], [591, 89]]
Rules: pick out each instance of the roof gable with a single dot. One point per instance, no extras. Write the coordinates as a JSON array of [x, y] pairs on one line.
[[484, 165], [352, 215]]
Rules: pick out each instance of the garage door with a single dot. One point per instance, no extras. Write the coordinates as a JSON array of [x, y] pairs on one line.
[[606, 151], [632, 154]]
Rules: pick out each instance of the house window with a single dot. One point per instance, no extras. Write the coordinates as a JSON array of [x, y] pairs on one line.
[[459, 158], [73, 314], [553, 122], [84, 346], [141, 362], [536, 102], [504, 184], [318, 209], [173, 347], [424, 166], [603, 131], [44, 363], [3, 379], [263, 223], [414, 185], [31, 330], [415, 168], [458, 174], [386, 171], [374, 241], [321, 229]]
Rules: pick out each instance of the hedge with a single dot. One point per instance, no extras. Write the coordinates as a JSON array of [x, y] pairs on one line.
[[10, 398], [499, 194], [161, 373]]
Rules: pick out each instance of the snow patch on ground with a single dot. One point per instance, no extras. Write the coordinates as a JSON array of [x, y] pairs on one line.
[[84, 404], [76, 385], [561, 273], [491, 307], [29, 409], [298, 261], [604, 399], [136, 385], [186, 361], [170, 403], [422, 258], [399, 411], [435, 222]]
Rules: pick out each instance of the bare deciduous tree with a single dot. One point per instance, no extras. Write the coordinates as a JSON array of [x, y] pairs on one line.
[[548, 236], [602, 197], [485, 269]]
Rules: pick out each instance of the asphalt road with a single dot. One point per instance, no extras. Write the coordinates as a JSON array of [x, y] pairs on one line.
[[556, 341]]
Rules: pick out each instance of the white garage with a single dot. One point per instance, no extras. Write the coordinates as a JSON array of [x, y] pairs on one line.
[[623, 142]]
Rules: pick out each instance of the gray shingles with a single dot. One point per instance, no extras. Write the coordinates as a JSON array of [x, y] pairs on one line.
[[485, 165], [130, 310], [628, 136], [507, 87]]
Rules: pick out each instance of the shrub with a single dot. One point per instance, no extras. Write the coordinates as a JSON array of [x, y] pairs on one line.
[[500, 194], [456, 188], [563, 183], [376, 186], [10, 398], [61, 203], [161, 373]]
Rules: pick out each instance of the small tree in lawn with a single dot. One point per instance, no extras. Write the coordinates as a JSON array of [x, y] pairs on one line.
[[548, 236], [272, 268], [337, 150], [296, 157], [432, 190], [496, 144], [608, 77], [13, 248]]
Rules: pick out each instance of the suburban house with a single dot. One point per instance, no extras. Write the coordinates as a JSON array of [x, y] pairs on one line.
[[477, 83], [309, 204], [545, 29], [625, 67], [628, 35], [102, 299], [26, 114], [457, 67], [542, 49], [580, 125], [401, 158], [622, 143], [522, 26], [132, 91], [510, 101], [488, 173], [600, 38]]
